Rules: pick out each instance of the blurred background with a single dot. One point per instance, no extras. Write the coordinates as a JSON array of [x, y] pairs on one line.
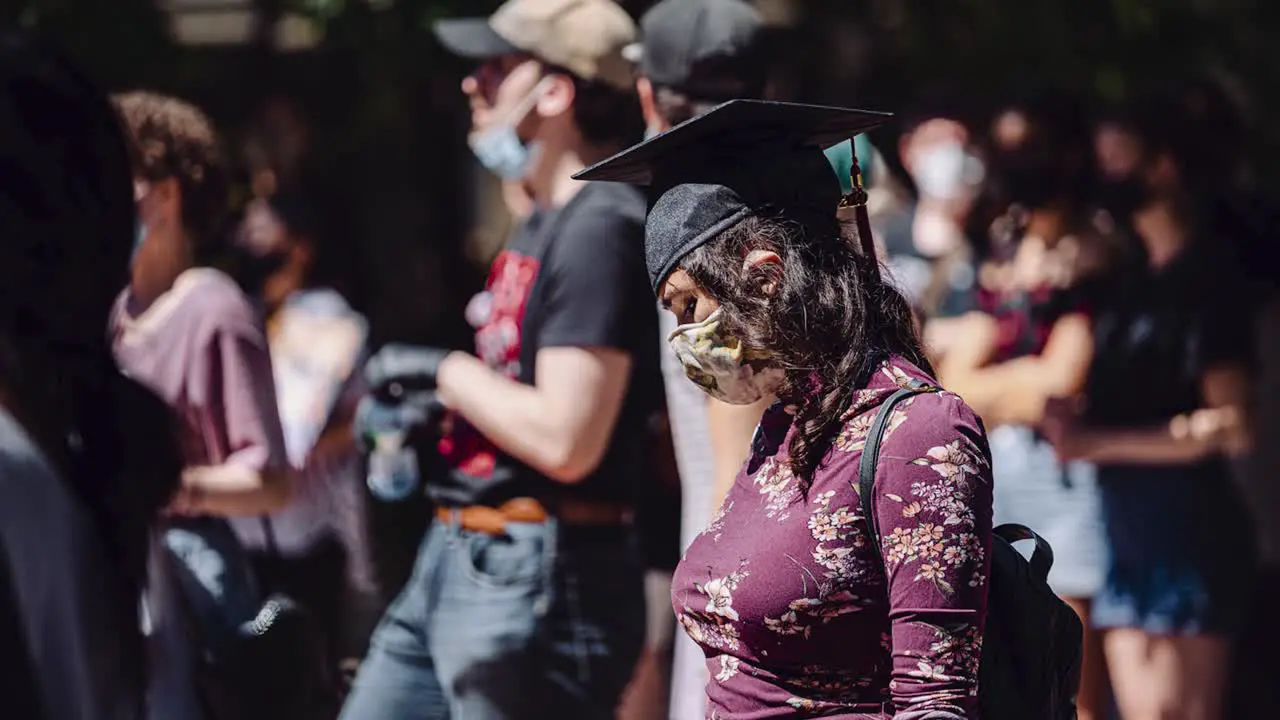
[[355, 99]]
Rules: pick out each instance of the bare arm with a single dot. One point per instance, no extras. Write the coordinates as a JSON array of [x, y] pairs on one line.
[[1221, 426], [971, 347], [231, 490], [1015, 392], [941, 335], [731, 428], [560, 425]]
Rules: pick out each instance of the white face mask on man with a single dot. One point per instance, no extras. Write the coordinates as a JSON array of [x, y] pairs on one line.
[[500, 149], [946, 171]]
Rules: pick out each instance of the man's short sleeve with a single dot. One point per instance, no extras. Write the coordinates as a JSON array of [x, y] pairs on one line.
[[596, 282]]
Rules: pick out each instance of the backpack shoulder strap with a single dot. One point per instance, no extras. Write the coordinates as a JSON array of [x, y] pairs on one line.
[[871, 455], [1041, 559]]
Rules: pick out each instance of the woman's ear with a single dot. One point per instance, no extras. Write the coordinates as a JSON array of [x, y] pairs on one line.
[[764, 268]]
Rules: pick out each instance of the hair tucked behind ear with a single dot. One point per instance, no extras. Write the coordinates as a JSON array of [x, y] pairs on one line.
[[830, 319]]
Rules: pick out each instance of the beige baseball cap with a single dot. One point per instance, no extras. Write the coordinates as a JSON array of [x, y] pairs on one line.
[[586, 37]]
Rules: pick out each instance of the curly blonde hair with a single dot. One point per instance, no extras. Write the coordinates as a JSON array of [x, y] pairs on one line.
[[171, 138]]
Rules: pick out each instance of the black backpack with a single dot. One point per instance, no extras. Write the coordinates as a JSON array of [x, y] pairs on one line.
[[1032, 645]]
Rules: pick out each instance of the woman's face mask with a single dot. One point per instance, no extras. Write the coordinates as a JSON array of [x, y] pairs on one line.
[[721, 365]]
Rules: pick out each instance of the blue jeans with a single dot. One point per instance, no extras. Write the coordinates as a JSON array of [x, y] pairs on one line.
[[543, 621]]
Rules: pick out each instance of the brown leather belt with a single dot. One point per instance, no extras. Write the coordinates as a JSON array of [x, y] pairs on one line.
[[493, 520]]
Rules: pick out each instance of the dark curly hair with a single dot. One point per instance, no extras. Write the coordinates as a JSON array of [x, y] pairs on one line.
[[830, 322], [170, 138]]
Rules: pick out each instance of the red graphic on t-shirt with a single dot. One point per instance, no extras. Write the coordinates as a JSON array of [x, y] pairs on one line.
[[498, 344]]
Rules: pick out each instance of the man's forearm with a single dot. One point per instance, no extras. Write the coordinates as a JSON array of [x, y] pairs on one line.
[[510, 414]]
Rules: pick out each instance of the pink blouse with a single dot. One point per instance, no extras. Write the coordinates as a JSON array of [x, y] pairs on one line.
[[202, 349]]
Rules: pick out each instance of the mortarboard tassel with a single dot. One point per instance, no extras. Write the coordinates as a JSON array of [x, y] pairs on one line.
[[857, 199]]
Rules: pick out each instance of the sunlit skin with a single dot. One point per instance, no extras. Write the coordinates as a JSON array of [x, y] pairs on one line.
[[1160, 676], [165, 251], [682, 297], [497, 86]]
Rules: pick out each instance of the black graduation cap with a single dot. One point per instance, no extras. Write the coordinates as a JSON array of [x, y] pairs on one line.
[[705, 174]]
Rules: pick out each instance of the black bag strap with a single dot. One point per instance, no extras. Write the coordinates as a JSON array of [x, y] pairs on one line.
[[871, 454], [1041, 557]]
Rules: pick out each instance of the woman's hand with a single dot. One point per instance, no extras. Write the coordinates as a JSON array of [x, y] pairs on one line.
[[1061, 426]]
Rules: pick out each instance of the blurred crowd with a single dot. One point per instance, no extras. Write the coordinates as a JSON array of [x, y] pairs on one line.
[[1094, 280], [1080, 273]]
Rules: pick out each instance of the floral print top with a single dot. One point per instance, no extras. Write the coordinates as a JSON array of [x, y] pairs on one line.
[[798, 614]]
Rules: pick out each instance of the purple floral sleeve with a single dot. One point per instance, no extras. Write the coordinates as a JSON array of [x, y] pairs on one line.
[[933, 512]]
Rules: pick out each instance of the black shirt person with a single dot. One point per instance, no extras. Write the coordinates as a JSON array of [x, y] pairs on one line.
[[527, 599]]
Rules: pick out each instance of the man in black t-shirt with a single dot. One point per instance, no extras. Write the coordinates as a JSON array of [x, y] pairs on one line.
[[527, 597]]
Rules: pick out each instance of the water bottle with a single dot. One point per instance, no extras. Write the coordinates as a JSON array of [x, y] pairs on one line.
[[393, 466]]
